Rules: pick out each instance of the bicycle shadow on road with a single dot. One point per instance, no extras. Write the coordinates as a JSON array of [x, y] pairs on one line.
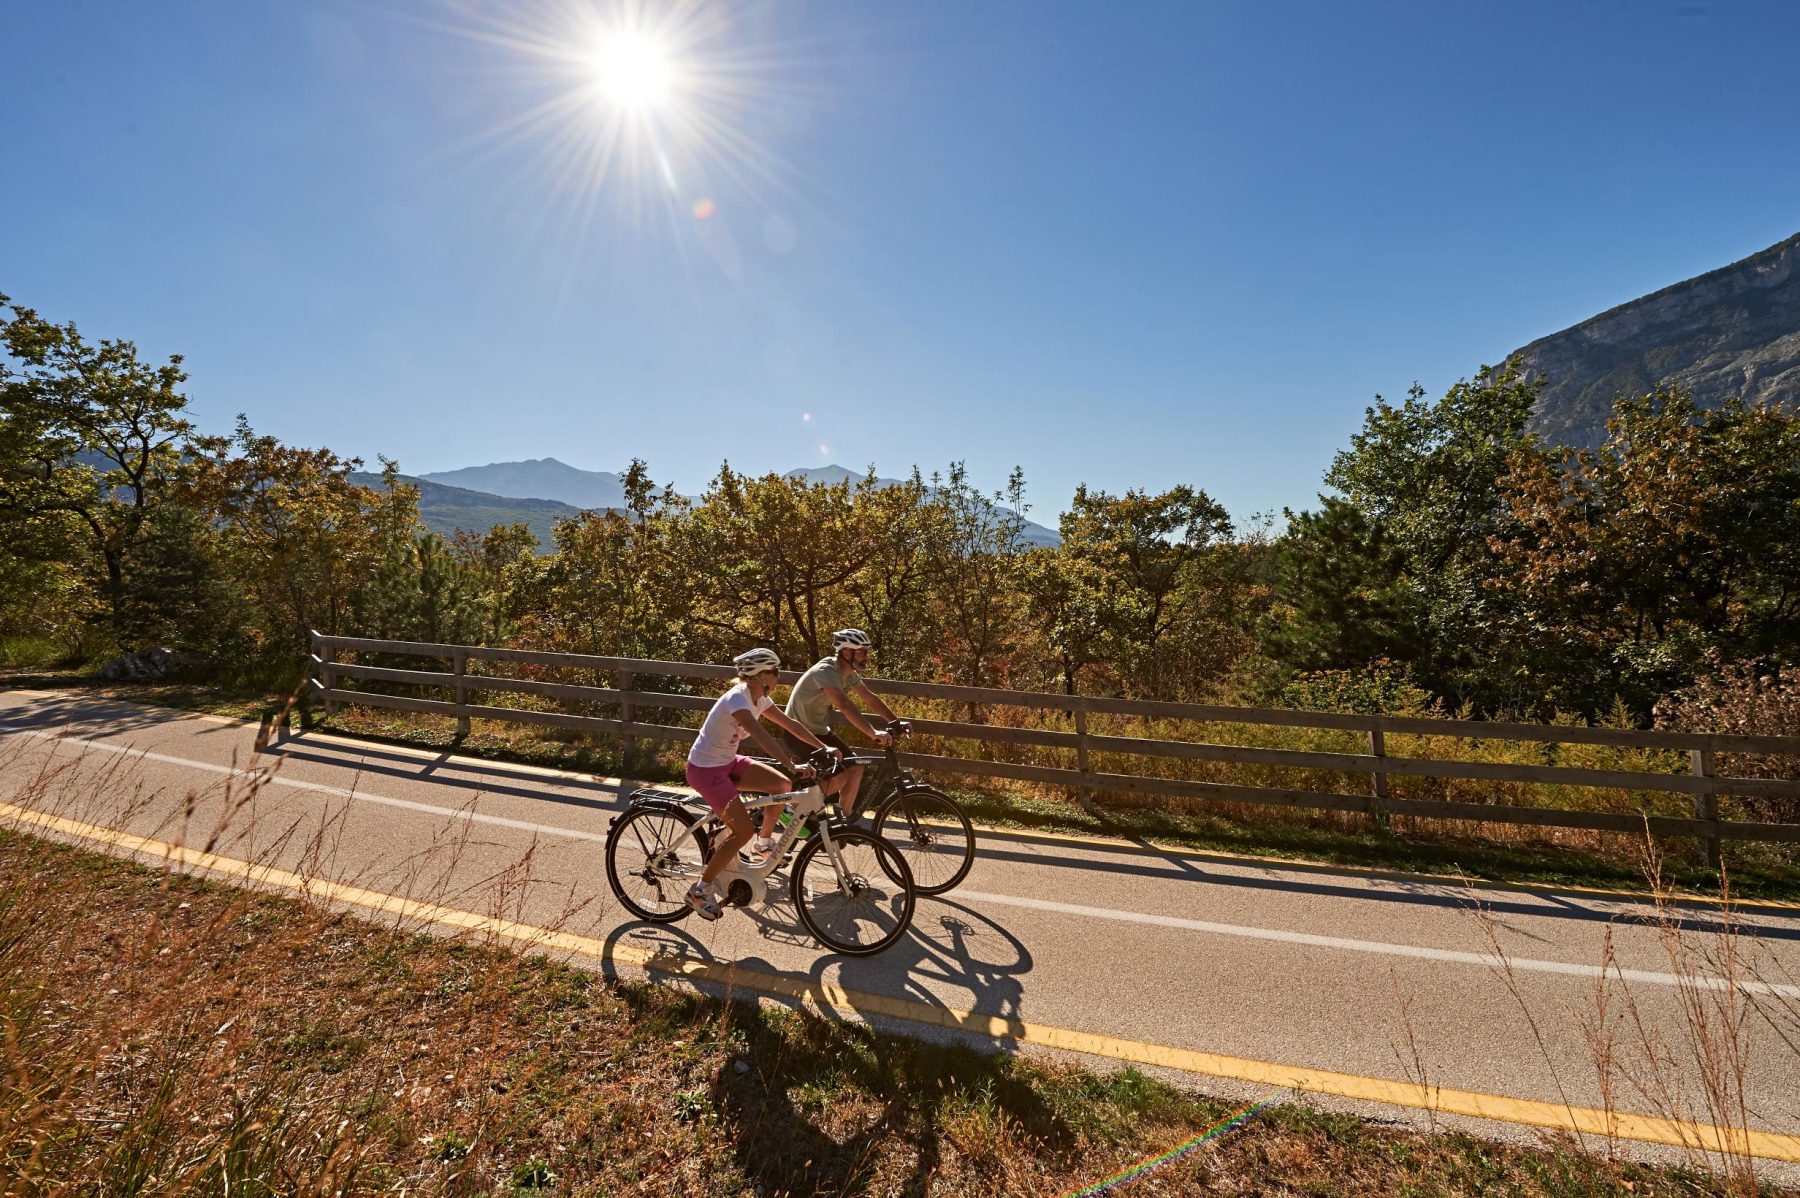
[[948, 944], [795, 1130]]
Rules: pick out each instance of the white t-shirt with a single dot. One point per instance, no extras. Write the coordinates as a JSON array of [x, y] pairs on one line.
[[721, 734]]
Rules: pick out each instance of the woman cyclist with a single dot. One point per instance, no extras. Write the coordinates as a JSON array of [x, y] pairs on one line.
[[718, 772]]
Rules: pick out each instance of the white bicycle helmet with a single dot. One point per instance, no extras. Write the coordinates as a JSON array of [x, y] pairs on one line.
[[850, 638], [756, 661]]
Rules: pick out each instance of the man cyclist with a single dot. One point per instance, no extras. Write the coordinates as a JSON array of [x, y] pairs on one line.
[[718, 771], [826, 687]]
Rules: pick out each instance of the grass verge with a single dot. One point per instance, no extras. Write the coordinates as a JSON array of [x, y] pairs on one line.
[[170, 1035], [1323, 837]]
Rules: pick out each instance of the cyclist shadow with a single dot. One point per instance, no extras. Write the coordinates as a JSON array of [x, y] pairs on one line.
[[818, 1104], [949, 947]]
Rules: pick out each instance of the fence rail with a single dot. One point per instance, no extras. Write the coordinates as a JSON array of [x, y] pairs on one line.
[[1701, 783]]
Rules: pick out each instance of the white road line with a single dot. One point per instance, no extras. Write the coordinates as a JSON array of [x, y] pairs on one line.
[[1207, 927], [272, 779], [1381, 947]]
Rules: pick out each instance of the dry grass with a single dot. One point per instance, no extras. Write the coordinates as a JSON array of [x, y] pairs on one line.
[[1693, 1067], [170, 1036]]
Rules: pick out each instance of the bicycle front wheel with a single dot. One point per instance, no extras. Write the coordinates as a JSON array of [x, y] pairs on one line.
[[933, 835], [860, 908], [651, 860]]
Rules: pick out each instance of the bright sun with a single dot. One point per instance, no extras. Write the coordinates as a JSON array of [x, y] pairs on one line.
[[633, 70]]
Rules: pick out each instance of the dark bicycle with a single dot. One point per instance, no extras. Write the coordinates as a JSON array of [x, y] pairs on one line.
[[931, 831]]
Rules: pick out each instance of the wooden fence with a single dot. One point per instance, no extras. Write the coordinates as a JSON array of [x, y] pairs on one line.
[[1702, 782]]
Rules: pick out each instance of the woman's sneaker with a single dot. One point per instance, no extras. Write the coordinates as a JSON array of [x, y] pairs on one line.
[[701, 898]]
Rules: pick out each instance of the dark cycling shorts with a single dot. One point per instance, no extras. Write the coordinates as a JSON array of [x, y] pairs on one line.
[[805, 750]]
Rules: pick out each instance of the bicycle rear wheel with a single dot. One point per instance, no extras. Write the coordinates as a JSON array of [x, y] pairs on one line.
[[865, 909], [651, 860], [933, 835]]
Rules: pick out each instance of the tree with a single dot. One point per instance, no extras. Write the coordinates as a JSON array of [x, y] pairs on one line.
[[1428, 475], [90, 434], [1680, 536], [971, 552], [301, 541], [1066, 598], [1150, 555], [772, 558], [1343, 597]]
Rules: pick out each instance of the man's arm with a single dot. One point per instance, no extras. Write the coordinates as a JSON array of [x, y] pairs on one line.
[[770, 745], [874, 700], [854, 714], [782, 720]]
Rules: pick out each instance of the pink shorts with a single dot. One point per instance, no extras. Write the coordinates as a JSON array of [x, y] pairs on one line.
[[715, 782]]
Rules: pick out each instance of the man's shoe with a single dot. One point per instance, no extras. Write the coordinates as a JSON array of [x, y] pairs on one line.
[[701, 898]]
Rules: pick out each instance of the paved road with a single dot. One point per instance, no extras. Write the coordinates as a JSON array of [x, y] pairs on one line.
[[1103, 942]]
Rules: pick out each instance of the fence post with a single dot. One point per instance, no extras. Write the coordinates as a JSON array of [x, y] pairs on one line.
[[628, 745], [1378, 748], [327, 655], [1706, 805], [461, 660], [1081, 756]]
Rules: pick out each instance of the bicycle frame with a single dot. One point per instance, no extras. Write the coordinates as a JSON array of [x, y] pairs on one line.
[[753, 879]]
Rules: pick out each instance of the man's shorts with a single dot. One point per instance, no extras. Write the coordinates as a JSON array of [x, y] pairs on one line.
[[717, 784], [805, 750]]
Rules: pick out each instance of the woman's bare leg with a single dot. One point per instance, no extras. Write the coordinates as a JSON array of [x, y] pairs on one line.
[[738, 829], [763, 779]]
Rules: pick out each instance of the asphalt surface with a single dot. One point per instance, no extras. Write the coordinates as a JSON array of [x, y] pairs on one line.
[[1381, 977]]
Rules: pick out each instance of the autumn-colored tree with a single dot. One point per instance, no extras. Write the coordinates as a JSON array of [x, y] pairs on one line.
[[615, 585], [771, 559], [301, 540], [971, 553], [1152, 556], [1679, 535]]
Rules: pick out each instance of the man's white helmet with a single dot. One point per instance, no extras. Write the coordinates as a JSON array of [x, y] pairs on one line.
[[850, 638], [756, 661]]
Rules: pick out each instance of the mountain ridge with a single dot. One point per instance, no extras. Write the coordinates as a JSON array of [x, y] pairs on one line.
[[547, 479], [1731, 332]]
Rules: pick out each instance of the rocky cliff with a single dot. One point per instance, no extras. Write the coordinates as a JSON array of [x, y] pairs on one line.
[[1732, 331]]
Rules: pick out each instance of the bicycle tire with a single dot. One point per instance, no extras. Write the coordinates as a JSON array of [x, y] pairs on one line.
[[658, 842], [931, 855], [826, 910]]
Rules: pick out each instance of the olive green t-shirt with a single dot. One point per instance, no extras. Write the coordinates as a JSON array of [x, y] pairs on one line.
[[809, 705]]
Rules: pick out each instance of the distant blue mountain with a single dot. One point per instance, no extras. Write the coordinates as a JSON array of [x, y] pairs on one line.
[[538, 478], [546, 480], [444, 509], [1031, 533]]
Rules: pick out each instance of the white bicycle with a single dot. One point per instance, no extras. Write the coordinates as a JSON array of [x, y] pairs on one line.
[[852, 890]]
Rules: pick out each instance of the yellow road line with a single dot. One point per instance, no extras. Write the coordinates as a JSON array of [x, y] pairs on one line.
[[1703, 1137], [1110, 843]]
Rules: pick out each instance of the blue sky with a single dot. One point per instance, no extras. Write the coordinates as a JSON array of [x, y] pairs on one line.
[[1131, 245]]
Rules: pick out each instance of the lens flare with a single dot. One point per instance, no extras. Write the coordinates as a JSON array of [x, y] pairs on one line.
[[703, 208]]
